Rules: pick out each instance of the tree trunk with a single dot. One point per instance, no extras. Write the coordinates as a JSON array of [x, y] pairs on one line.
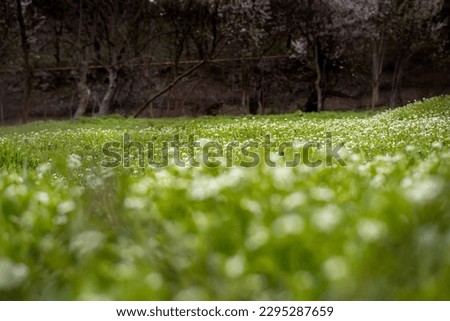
[[151, 109], [377, 69], [105, 105], [84, 91], [245, 97], [245, 105], [2, 118], [318, 81], [28, 83], [259, 91], [58, 29], [259, 97], [168, 106], [255, 105], [311, 102], [396, 81]]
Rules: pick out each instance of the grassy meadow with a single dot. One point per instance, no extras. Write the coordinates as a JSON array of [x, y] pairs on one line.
[[85, 214]]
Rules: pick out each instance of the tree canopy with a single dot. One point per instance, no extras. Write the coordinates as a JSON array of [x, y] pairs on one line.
[[163, 54]]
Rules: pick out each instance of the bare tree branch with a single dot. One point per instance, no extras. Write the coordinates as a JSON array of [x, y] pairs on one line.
[[169, 87]]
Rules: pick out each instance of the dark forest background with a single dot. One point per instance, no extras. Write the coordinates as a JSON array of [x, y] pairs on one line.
[[68, 58]]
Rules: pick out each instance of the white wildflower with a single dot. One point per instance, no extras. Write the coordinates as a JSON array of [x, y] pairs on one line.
[[66, 207], [370, 229], [327, 218], [12, 275], [74, 161], [335, 268], [235, 266], [291, 224]]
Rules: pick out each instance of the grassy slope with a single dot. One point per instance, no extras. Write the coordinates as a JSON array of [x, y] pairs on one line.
[[375, 229], [116, 121]]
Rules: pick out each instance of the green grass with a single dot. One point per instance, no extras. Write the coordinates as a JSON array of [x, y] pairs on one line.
[[376, 229]]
